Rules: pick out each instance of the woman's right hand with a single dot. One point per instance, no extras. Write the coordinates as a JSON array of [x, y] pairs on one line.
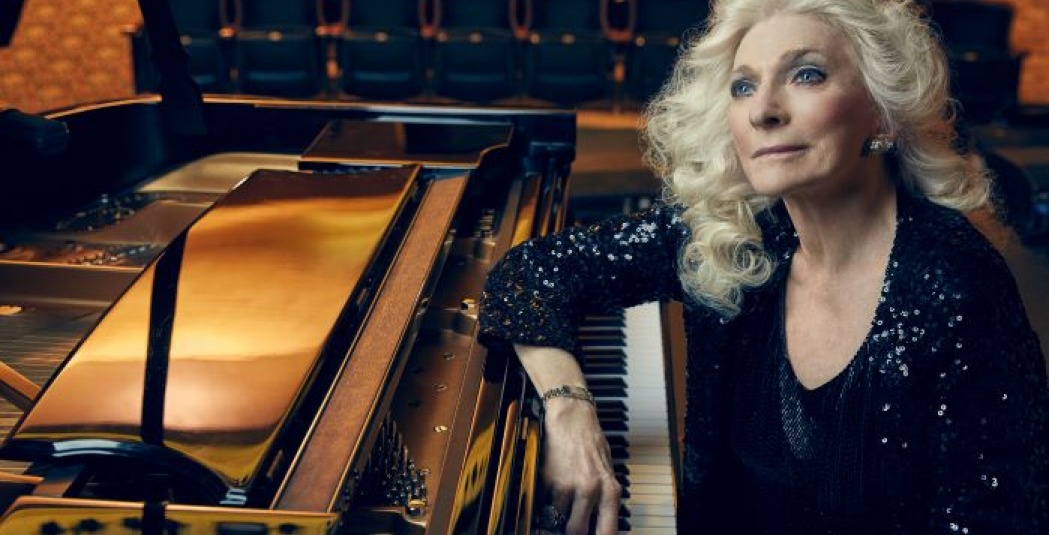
[[577, 463], [577, 467]]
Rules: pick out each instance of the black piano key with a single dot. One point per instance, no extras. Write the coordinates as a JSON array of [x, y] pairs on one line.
[[613, 426], [620, 468], [604, 367], [624, 524], [618, 441], [597, 352], [595, 343], [587, 328], [605, 320], [600, 333], [609, 387], [623, 480], [610, 404], [606, 382], [610, 392], [604, 356]]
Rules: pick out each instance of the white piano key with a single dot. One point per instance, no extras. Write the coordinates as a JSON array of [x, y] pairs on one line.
[[649, 449], [651, 479], [639, 522], [647, 459], [651, 499], [651, 531], [648, 468], [648, 509], [640, 488]]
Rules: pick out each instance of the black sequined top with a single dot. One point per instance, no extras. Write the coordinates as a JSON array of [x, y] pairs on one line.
[[798, 456], [950, 400]]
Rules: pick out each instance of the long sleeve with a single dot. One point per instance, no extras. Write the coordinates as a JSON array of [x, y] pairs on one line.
[[990, 408], [536, 293]]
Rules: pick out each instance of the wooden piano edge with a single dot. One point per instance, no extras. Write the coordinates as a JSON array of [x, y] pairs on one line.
[[323, 465]]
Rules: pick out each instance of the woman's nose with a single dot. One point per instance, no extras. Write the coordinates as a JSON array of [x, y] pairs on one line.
[[767, 111]]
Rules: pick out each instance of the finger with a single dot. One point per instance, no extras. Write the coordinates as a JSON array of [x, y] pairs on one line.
[[559, 499], [582, 510], [608, 509]]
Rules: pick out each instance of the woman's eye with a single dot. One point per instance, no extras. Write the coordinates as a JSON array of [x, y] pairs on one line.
[[809, 76], [741, 88]]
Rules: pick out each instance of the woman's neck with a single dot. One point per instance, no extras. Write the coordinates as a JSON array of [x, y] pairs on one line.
[[844, 229]]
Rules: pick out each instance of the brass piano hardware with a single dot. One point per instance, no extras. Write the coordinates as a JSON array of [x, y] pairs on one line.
[[466, 318], [17, 388], [9, 310], [30, 514], [468, 306], [440, 428], [415, 507], [448, 355], [440, 387]]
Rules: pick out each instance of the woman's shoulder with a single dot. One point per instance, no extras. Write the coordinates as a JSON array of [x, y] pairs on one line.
[[940, 254], [934, 237]]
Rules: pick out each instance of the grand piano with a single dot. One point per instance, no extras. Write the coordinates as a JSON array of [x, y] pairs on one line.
[[277, 315], [242, 315], [271, 327], [265, 322]]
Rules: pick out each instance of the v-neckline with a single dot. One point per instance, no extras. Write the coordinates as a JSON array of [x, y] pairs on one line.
[[886, 282]]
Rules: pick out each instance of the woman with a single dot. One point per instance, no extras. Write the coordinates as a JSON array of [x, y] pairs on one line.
[[859, 360]]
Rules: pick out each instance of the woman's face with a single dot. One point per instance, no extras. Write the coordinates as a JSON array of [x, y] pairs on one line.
[[800, 113]]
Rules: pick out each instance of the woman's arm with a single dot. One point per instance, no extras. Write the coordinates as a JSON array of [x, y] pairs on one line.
[[990, 411], [577, 463], [535, 296]]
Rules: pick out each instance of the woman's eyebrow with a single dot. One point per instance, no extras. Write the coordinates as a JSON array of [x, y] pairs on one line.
[[787, 59], [795, 57]]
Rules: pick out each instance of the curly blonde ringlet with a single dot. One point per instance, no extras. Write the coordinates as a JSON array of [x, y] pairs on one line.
[[689, 145]]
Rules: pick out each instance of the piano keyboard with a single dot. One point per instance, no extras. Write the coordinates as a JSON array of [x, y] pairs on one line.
[[624, 368]]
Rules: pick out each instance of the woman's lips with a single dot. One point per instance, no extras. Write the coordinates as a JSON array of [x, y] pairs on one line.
[[781, 150]]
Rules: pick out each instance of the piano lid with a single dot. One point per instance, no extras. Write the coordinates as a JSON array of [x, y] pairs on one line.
[[246, 312], [431, 144]]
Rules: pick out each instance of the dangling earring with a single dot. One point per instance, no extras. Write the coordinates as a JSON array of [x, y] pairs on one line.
[[879, 144]]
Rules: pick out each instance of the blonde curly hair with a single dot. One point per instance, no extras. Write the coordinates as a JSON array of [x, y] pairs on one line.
[[689, 145]]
